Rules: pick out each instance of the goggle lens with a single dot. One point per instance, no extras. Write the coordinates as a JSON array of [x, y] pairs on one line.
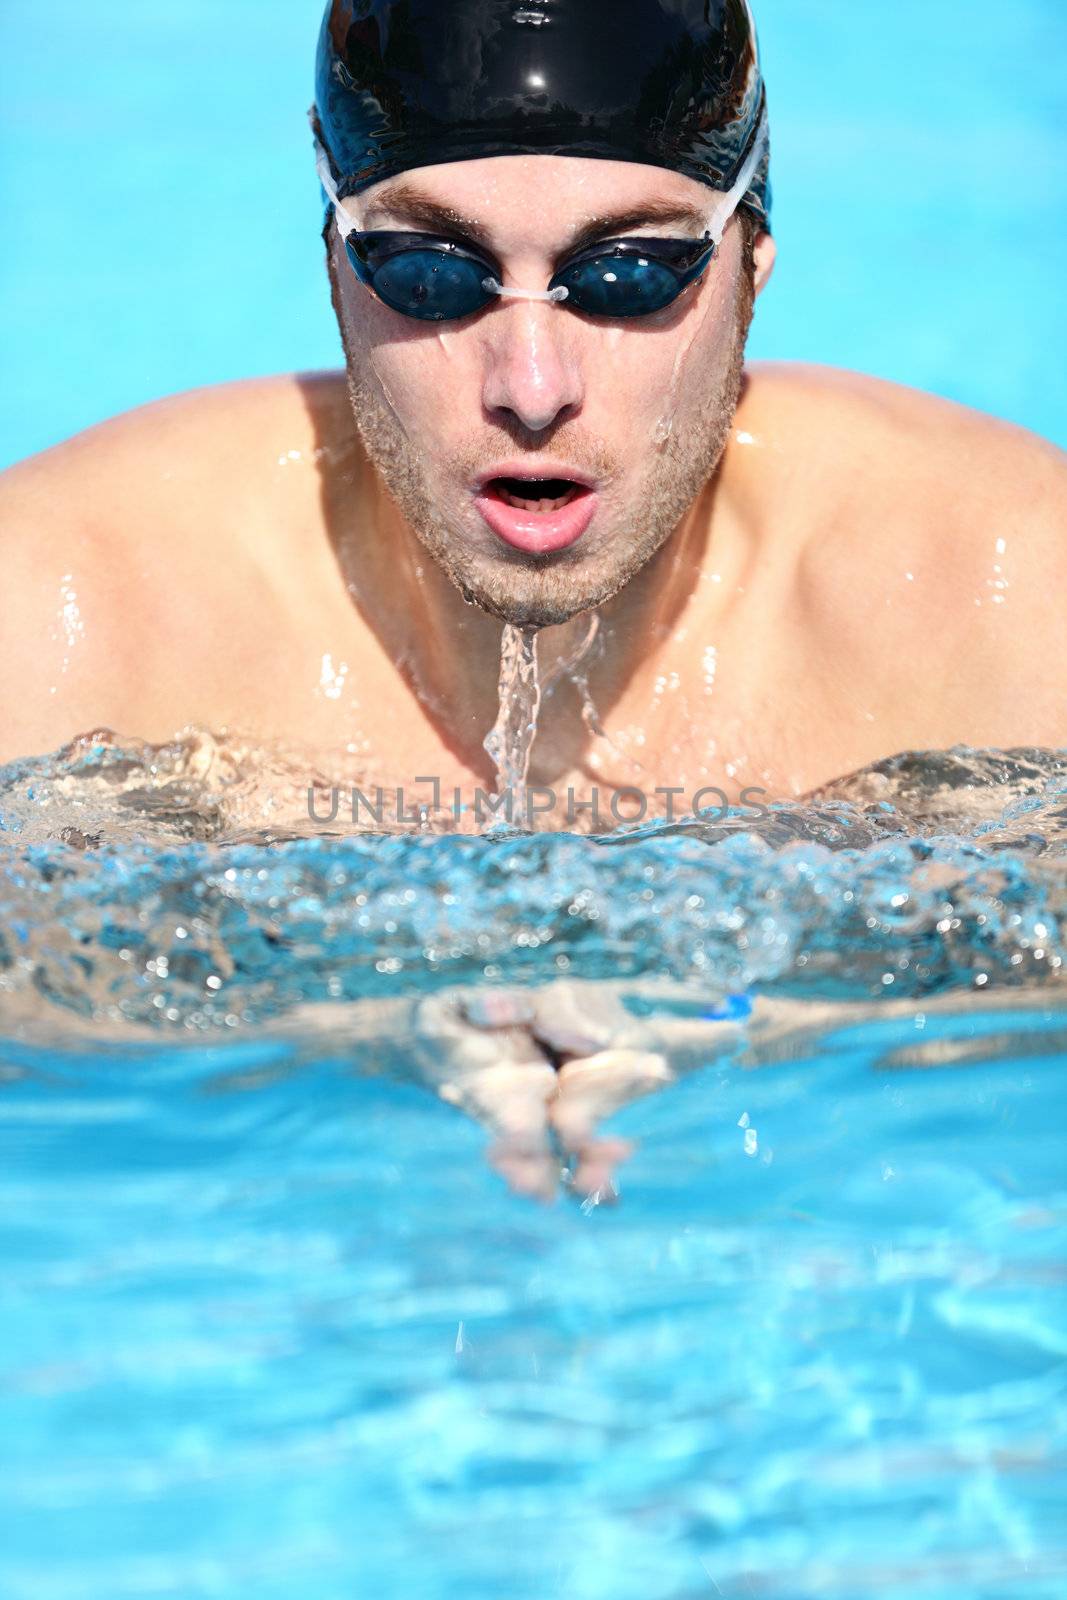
[[619, 286], [433, 285], [442, 282]]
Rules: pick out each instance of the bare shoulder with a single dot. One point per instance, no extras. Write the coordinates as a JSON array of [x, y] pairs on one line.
[[930, 540], [113, 540], [841, 417], [829, 400], [874, 463], [219, 441]]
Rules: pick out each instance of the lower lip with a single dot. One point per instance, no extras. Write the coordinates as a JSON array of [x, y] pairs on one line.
[[538, 533]]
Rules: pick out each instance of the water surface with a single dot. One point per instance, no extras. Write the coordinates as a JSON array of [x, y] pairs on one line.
[[271, 1321]]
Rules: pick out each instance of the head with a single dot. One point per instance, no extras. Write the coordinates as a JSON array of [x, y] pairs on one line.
[[632, 412]]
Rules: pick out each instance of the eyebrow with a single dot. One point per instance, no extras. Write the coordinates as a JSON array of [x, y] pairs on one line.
[[408, 203]]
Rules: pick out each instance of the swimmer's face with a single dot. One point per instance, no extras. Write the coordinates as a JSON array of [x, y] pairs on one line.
[[636, 410]]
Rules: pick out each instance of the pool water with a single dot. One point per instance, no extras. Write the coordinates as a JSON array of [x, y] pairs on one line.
[[270, 1322], [270, 1319], [271, 1326]]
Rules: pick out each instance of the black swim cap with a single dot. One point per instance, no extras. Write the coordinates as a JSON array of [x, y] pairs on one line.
[[670, 83]]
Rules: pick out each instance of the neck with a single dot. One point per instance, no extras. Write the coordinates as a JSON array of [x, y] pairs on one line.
[[450, 650]]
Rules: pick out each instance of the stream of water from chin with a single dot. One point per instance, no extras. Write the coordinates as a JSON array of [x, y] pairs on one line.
[[521, 690], [511, 737]]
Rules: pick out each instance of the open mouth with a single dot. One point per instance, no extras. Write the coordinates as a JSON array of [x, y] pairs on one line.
[[537, 516], [535, 494]]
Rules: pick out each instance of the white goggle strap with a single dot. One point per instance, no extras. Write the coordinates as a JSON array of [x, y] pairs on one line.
[[345, 223], [493, 287], [733, 197]]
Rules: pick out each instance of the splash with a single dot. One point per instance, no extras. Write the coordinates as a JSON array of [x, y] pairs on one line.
[[129, 900], [511, 737], [574, 668]]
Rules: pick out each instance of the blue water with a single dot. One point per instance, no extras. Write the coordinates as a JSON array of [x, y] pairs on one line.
[[269, 1321], [270, 1324], [270, 1327]]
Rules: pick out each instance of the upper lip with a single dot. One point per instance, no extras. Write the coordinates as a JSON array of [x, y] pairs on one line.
[[533, 470]]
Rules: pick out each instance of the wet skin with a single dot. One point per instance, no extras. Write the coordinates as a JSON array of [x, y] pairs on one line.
[[871, 570]]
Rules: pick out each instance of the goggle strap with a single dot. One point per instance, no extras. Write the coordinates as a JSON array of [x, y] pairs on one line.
[[733, 196], [493, 286], [329, 187]]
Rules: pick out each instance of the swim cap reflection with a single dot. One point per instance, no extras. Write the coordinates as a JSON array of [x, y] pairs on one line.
[[671, 83]]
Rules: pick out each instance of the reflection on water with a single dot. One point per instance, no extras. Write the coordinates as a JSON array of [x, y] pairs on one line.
[[270, 1322]]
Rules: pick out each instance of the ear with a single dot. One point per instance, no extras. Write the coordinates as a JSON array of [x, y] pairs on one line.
[[764, 253]]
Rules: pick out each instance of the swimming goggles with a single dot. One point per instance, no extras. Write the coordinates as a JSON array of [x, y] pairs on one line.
[[436, 279]]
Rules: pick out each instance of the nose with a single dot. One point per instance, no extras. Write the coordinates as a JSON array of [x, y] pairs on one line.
[[531, 365]]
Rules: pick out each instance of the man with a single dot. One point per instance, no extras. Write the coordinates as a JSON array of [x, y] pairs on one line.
[[837, 570], [547, 225]]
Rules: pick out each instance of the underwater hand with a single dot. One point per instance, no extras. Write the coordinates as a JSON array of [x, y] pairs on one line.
[[541, 1069], [493, 1070]]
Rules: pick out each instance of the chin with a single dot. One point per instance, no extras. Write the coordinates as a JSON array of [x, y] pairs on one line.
[[526, 613], [541, 596]]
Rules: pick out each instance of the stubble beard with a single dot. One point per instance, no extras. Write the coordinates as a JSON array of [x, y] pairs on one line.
[[531, 592]]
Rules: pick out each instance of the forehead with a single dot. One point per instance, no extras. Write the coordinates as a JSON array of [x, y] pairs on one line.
[[501, 191]]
